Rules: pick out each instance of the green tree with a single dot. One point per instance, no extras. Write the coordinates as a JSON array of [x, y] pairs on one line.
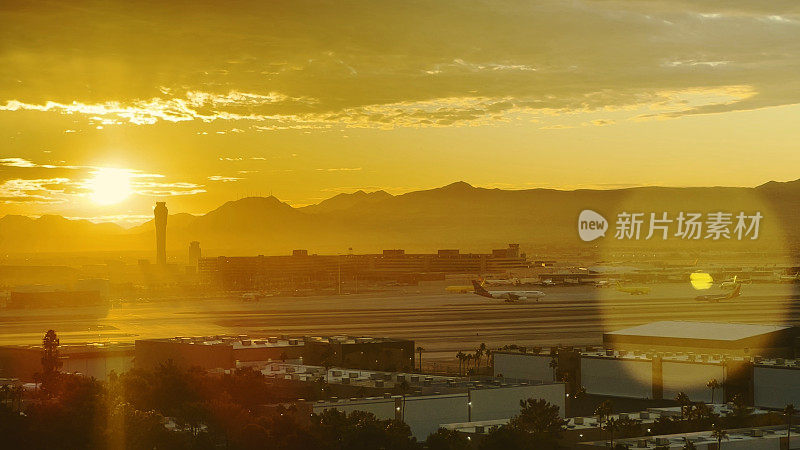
[[444, 439], [51, 361], [554, 365], [789, 411], [685, 403], [603, 411], [461, 357], [719, 433], [540, 420], [404, 388], [713, 384]]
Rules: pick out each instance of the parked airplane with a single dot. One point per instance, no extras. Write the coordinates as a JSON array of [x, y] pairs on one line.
[[459, 289], [730, 283], [789, 278], [716, 298], [508, 296], [633, 290], [500, 282]]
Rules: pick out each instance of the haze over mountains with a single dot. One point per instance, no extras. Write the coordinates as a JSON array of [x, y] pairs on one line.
[[454, 216]]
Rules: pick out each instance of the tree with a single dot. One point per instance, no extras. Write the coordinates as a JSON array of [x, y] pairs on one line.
[[739, 407], [50, 359], [540, 420], [789, 411], [444, 439], [479, 352], [554, 365], [611, 425], [461, 357], [604, 410], [685, 403], [327, 361], [404, 387], [713, 384], [719, 433], [420, 350]]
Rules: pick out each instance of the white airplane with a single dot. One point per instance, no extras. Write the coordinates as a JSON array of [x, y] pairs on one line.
[[501, 282], [730, 283], [716, 298], [508, 296]]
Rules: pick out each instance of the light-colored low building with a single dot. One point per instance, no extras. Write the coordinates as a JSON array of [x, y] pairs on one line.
[[731, 339], [761, 438], [424, 414]]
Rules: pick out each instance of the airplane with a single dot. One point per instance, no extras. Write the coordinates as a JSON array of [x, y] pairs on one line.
[[509, 296], [633, 290], [730, 283], [458, 289], [716, 298], [789, 278]]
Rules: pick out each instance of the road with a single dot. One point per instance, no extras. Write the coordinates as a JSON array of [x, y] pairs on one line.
[[443, 323]]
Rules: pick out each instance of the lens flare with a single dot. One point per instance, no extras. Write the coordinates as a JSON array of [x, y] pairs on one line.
[[110, 186]]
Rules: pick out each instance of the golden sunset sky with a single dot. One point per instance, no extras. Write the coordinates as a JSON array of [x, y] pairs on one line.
[[106, 107]]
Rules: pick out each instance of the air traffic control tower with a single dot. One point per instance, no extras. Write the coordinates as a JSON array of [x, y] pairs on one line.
[[160, 212]]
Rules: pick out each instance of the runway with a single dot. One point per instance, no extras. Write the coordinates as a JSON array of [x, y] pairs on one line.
[[442, 323]]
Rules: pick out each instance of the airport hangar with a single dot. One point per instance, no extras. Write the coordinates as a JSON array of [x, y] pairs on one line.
[[767, 375], [731, 339]]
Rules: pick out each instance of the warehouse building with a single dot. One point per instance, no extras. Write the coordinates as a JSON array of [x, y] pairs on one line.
[[92, 359], [424, 414], [732, 339], [226, 352]]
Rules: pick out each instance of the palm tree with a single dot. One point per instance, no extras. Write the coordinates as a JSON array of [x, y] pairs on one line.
[[420, 350], [554, 365], [610, 425], [6, 391], [604, 410], [789, 411], [712, 384], [719, 433], [404, 387], [461, 357], [479, 352]]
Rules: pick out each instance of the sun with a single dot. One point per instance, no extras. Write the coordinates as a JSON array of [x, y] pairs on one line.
[[110, 186]]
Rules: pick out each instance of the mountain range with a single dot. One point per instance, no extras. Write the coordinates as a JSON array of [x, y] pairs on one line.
[[454, 216]]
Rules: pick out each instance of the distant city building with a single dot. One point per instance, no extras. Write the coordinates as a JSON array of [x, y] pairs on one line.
[[304, 270], [194, 253], [160, 214]]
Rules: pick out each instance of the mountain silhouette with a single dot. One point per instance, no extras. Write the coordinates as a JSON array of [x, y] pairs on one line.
[[458, 215]]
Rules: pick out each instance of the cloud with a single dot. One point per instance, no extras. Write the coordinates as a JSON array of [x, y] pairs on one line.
[[40, 190], [74, 181], [224, 179], [340, 169], [365, 64]]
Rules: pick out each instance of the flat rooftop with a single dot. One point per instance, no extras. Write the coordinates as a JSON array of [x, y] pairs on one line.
[[698, 330], [248, 341]]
